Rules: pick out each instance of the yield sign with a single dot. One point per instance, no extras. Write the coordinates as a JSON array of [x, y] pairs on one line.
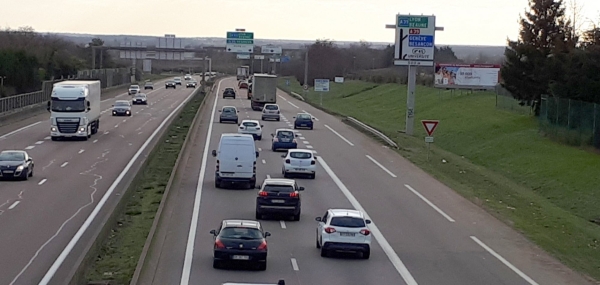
[[430, 126]]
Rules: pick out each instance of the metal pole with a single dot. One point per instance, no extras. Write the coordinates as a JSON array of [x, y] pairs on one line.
[[101, 54], [93, 58], [261, 65], [428, 150], [410, 99], [306, 67]]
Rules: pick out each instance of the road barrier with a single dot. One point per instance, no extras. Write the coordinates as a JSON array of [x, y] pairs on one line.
[[372, 131]]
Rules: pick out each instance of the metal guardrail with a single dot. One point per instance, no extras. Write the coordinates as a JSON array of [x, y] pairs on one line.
[[298, 96], [373, 131], [17, 102]]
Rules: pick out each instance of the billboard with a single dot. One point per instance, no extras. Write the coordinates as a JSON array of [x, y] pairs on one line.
[[467, 76]]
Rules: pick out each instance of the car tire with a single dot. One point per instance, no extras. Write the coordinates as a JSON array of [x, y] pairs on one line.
[[237, 122], [216, 264], [295, 128], [258, 215], [317, 242], [297, 217], [259, 138], [285, 175], [311, 128], [278, 119], [54, 138], [217, 184], [273, 148], [262, 266], [366, 254], [324, 252], [312, 176], [220, 121], [31, 172]]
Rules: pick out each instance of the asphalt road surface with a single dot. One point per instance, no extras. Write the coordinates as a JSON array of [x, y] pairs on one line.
[[39, 217], [424, 233]]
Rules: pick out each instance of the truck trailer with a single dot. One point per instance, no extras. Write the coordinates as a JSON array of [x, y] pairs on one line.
[[74, 108], [264, 91], [243, 72]]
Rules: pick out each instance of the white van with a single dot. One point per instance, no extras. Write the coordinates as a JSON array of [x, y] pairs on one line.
[[236, 160]]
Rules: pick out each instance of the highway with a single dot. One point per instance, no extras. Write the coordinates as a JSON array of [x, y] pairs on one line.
[[41, 216], [424, 232]]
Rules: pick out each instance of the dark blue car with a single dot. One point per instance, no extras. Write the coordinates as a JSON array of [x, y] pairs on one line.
[[303, 120], [284, 139]]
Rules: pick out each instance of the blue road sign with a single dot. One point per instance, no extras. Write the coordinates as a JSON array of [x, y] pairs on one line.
[[285, 59], [420, 41]]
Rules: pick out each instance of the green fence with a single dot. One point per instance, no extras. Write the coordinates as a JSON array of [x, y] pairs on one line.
[[505, 101], [570, 121]]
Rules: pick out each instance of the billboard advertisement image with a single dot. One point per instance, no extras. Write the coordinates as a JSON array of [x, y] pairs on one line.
[[468, 76]]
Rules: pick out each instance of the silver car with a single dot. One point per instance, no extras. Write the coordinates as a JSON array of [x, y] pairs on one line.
[[140, 98], [271, 111], [229, 114]]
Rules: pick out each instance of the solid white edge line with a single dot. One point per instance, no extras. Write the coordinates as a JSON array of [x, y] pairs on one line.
[[429, 203], [189, 249], [18, 130], [295, 264], [338, 134], [67, 250], [387, 248], [499, 257], [381, 166]]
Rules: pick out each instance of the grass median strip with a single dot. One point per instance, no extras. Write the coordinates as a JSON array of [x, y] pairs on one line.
[[493, 157], [119, 253]]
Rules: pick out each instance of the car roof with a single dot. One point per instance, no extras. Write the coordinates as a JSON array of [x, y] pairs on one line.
[[251, 121], [134, 85], [122, 101], [229, 107], [303, 113], [300, 150], [346, 213], [288, 130], [272, 104], [13, 150], [241, 223], [141, 94], [279, 181]]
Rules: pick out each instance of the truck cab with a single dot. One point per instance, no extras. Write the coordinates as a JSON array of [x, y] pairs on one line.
[[74, 108]]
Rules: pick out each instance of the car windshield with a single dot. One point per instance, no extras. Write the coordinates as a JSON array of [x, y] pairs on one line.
[[285, 134], [304, 116], [66, 106], [134, 87], [149, 84], [301, 155], [347, 222], [121, 104], [12, 156], [278, 188], [240, 233], [140, 96], [228, 110], [272, 107], [228, 89], [249, 124]]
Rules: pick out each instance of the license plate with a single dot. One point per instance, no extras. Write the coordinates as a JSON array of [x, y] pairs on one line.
[[8, 171], [278, 201], [240, 257], [347, 234], [303, 125], [226, 174], [299, 169]]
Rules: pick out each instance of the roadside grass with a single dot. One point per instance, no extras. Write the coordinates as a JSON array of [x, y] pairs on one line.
[[496, 158], [119, 253]]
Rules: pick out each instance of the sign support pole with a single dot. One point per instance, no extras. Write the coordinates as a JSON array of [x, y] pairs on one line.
[[410, 99], [261, 65], [428, 150]]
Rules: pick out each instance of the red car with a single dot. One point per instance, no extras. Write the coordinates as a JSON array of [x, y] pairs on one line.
[[243, 85]]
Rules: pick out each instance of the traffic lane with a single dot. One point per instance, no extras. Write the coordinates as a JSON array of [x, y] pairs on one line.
[[91, 175], [510, 249]]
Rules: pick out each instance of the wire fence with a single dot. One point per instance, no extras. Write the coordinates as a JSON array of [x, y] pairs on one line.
[[505, 101], [108, 78], [570, 121]]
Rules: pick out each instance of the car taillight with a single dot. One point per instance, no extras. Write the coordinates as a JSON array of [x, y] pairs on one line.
[[219, 244], [263, 246], [287, 161], [275, 140], [312, 162], [295, 141], [365, 232], [329, 230], [294, 195], [262, 193]]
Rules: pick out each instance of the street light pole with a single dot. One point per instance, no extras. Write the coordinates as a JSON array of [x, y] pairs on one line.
[[306, 67]]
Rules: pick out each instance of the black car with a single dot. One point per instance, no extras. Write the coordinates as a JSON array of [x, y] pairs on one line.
[[240, 241], [279, 197], [229, 114], [15, 164], [140, 98], [303, 120], [191, 84], [170, 84], [229, 92], [121, 108], [149, 85]]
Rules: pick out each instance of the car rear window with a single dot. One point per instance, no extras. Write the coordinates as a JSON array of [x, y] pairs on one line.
[[228, 110], [250, 124], [278, 188], [241, 232], [122, 103], [272, 107], [285, 134], [304, 116], [302, 155], [347, 222]]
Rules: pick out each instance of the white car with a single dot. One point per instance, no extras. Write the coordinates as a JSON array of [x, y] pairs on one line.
[[344, 230], [251, 127], [299, 161], [271, 112], [133, 89]]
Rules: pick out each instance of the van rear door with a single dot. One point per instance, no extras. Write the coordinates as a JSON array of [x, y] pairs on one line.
[[237, 160]]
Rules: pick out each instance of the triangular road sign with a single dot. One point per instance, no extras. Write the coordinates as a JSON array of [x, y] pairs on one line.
[[430, 126]]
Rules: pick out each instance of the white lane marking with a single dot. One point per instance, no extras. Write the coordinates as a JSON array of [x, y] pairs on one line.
[[387, 248], [309, 146], [381, 166], [43, 181], [95, 141], [293, 104], [299, 134], [64, 164], [295, 264], [67, 250], [259, 149], [268, 176], [314, 151], [117, 125], [189, 249], [264, 161], [30, 147], [18, 130], [81, 151], [282, 224], [125, 120], [47, 138], [429, 203], [305, 142], [302, 138], [499, 257], [338, 134], [14, 205], [39, 142], [106, 132], [140, 133]]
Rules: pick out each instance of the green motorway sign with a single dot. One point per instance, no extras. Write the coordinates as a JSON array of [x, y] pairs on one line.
[[240, 42], [240, 35], [417, 22]]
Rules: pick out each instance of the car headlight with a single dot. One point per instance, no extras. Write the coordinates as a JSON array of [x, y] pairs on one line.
[[53, 129], [82, 129], [20, 168]]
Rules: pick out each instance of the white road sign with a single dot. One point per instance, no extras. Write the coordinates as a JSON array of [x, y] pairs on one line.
[[415, 40], [270, 49], [322, 85]]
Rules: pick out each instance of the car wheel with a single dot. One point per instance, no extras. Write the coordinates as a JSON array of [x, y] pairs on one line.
[[216, 264], [366, 254], [318, 245], [295, 127], [31, 172], [221, 121], [324, 252], [297, 217], [54, 138], [311, 128], [312, 176], [259, 138], [278, 119], [285, 175], [217, 184], [262, 266], [258, 215], [237, 122]]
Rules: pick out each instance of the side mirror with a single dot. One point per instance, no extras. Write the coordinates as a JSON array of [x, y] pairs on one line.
[[297, 135], [257, 154], [262, 126], [318, 219], [238, 111], [88, 103], [214, 153], [213, 232], [272, 135], [294, 117], [219, 110], [30, 159], [113, 105], [300, 188], [267, 234], [368, 222], [283, 155]]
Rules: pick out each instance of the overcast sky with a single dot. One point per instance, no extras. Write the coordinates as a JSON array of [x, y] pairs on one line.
[[473, 22]]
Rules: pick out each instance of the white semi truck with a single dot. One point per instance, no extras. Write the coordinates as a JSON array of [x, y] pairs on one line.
[[74, 108], [243, 72], [264, 91]]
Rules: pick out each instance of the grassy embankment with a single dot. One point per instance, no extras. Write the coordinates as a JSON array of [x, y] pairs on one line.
[[495, 158], [119, 254]]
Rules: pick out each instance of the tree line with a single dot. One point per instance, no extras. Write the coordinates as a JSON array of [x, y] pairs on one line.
[[552, 57], [28, 58]]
